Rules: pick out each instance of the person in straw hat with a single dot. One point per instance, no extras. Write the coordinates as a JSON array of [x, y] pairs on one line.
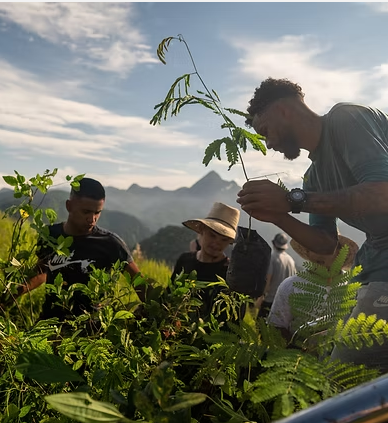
[[217, 231], [281, 314]]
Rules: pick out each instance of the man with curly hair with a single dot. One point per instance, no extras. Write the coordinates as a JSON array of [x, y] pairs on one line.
[[347, 179]]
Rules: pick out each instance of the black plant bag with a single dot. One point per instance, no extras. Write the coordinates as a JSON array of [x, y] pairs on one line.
[[249, 263]]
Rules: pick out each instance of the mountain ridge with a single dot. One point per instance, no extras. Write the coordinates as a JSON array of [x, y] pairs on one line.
[[137, 213]]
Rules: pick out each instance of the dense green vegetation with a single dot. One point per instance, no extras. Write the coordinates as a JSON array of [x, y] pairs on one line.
[[161, 360]]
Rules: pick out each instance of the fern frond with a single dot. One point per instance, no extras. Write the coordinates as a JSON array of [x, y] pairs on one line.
[[339, 261], [164, 107], [270, 336], [290, 373], [346, 376], [363, 331], [255, 140], [231, 152], [213, 150]]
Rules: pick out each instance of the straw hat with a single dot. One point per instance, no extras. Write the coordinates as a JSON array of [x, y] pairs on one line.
[[328, 259], [222, 219]]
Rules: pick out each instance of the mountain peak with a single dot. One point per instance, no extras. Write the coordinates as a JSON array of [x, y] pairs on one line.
[[137, 189], [210, 184]]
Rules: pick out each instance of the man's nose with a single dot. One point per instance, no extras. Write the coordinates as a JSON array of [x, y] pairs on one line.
[[91, 218], [268, 143]]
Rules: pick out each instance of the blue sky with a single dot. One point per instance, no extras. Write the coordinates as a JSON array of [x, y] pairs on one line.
[[79, 81]]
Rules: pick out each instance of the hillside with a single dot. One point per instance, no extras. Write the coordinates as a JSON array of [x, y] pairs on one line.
[[167, 244]]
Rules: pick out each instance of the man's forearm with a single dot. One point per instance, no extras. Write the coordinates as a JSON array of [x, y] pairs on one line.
[[314, 239], [360, 200], [33, 283]]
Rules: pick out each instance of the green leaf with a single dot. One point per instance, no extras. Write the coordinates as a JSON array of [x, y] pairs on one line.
[[123, 314], [10, 413], [287, 405], [75, 185], [162, 47], [186, 401], [255, 140], [45, 368], [67, 241], [11, 180], [82, 408], [214, 150], [79, 177], [162, 383], [51, 215], [68, 178], [231, 152], [237, 112], [20, 178], [217, 97], [78, 364], [24, 411]]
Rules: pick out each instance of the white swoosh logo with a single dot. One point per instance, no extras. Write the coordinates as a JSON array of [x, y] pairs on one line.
[[376, 303], [54, 267]]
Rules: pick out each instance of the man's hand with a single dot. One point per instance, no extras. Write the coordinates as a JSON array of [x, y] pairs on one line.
[[264, 200]]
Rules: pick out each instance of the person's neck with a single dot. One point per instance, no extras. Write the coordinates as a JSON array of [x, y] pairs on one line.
[[309, 130], [206, 258], [69, 230]]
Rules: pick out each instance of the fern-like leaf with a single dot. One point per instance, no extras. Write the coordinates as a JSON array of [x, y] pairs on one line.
[[281, 185], [163, 47], [255, 140], [346, 376], [231, 152], [359, 332], [339, 261], [213, 150], [239, 138], [237, 112]]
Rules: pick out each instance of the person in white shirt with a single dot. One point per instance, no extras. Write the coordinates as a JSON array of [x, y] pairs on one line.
[[282, 266], [281, 314]]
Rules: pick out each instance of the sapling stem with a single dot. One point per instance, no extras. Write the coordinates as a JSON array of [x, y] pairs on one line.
[[215, 102]]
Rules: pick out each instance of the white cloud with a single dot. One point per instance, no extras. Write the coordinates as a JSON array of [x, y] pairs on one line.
[[300, 59], [380, 7], [105, 33], [34, 120]]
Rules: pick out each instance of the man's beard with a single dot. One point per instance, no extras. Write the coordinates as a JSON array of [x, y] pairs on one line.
[[290, 147]]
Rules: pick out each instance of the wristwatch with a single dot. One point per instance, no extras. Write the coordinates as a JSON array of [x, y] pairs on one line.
[[297, 198]]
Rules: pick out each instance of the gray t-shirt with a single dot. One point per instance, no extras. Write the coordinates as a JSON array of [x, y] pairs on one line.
[[282, 266], [354, 149]]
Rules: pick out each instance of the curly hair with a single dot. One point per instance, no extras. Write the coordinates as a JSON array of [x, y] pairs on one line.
[[269, 91]]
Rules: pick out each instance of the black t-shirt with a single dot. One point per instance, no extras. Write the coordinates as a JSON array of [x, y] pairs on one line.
[[206, 272], [101, 248]]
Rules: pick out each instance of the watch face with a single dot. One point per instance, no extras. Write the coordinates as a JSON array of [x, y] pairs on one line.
[[297, 196]]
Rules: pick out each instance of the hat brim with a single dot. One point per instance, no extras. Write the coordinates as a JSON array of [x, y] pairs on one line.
[[314, 257], [219, 227], [280, 247]]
